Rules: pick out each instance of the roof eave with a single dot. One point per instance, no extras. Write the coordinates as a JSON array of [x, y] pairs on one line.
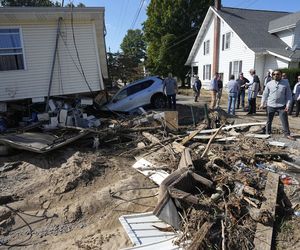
[[280, 56], [199, 36], [282, 28]]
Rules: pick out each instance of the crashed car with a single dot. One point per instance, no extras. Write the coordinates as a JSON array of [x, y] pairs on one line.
[[147, 91]]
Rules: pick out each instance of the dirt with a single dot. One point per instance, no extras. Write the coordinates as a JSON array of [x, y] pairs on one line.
[[64, 200]]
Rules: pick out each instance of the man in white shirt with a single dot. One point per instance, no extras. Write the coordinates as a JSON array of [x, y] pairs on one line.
[[296, 98]]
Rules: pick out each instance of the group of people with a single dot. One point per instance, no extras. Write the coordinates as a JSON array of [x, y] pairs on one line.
[[277, 96]]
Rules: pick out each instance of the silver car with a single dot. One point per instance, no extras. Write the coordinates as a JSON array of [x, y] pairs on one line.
[[147, 91]]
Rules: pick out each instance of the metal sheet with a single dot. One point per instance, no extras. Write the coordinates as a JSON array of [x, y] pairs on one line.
[[140, 229], [38, 142]]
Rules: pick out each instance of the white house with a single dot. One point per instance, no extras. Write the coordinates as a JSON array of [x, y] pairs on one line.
[[233, 40], [28, 38]]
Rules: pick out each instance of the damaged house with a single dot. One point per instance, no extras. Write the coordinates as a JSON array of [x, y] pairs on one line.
[[51, 52], [233, 40]]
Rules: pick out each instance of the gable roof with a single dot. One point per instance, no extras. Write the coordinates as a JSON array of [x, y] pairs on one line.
[[285, 22], [252, 27]]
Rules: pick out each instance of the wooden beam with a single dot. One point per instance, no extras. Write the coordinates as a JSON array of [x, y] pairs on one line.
[[264, 233], [200, 236], [192, 134]]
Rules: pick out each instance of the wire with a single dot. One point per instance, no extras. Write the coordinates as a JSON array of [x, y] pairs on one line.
[[77, 53], [137, 14]]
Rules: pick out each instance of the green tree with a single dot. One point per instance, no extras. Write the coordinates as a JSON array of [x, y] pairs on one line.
[[170, 31], [31, 3], [133, 45], [80, 5]]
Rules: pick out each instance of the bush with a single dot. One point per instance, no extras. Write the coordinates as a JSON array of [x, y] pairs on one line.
[[292, 75]]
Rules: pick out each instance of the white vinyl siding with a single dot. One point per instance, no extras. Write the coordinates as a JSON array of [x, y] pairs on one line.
[[39, 44]]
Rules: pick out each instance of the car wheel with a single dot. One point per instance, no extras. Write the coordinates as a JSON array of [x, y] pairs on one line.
[[159, 101]]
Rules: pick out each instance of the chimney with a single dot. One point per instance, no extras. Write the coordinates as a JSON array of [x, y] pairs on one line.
[[216, 44], [218, 4]]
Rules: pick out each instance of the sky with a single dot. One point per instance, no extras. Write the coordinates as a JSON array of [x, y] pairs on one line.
[[121, 15]]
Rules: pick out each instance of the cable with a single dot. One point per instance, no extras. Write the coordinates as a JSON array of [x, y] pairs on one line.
[[137, 14], [77, 53]]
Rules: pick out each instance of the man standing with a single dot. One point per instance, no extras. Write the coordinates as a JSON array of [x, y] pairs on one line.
[[214, 90], [233, 89], [296, 98], [241, 94], [253, 88], [277, 97], [170, 88], [268, 78], [220, 90], [197, 87]]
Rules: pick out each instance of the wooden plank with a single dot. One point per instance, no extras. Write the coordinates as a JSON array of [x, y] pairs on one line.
[[209, 131], [186, 139], [171, 119], [150, 137], [200, 236], [263, 235], [186, 159]]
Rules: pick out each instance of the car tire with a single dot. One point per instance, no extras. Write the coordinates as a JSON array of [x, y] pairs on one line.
[[158, 101]]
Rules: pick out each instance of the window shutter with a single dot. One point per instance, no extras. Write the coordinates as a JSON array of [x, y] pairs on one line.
[[209, 67], [203, 72], [223, 41], [230, 70], [204, 48], [240, 66]]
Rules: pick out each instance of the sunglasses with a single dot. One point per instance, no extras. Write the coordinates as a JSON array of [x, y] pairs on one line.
[[277, 74]]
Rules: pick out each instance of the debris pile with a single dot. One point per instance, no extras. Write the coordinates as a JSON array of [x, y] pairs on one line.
[[217, 182]]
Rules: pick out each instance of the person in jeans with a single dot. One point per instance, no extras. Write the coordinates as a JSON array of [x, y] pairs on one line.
[[253, 89], [220, 90], [214, 90], [277, 96], [241, 95], [233, 89], [170, 88], [197, 87]]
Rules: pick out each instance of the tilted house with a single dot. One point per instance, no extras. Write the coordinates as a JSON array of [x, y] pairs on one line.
[[28, 38], [233, 40]]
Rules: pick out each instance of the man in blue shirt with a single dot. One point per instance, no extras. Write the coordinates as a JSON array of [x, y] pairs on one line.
[[197, 87], [277, 96], [214, 90]]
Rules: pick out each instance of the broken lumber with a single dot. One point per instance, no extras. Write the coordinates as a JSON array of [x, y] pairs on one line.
[[209, 131], [263, 235], [192, 134], [211, 140], [150, 137], [186, 159], [200, 236]]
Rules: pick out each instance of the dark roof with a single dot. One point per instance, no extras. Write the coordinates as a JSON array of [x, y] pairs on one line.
[[252, 27], [287, 21]]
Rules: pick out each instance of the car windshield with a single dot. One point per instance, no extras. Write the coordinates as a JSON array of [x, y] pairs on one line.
[[121, 95]]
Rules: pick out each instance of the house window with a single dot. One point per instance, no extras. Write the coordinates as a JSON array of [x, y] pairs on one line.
[[207, 72], [226, 40], [235, 68], [11, 51], [206, 47]]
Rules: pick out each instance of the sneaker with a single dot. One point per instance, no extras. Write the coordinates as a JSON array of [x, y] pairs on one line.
[[290, 137]]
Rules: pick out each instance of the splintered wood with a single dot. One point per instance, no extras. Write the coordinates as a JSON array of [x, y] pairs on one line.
[[264, 233]]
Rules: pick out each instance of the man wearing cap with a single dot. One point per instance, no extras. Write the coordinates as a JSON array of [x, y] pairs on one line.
[[277, 97]]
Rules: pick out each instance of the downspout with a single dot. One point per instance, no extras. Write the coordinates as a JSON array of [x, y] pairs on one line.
[[53, 63]]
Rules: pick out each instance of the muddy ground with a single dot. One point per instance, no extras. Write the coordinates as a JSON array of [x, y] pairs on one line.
[[71, 198]]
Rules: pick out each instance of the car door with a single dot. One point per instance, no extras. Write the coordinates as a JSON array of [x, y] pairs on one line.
[[141, 94]]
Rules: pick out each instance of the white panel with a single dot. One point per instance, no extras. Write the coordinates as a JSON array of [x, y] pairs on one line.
[[273, 63], [287, 36], [238, 51], [39, 43]]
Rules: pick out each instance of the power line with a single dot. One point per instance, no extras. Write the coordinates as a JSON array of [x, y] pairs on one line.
[[137, 14]]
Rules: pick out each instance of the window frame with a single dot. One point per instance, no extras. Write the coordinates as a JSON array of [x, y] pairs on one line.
[[206, 48], [206, 72], [226, 41], [232, 64], [22, 47]]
